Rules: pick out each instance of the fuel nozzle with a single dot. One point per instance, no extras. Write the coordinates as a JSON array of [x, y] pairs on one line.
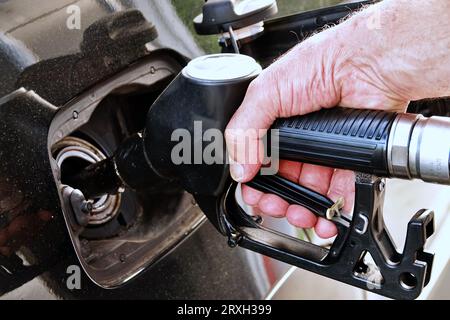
[[205, 95]]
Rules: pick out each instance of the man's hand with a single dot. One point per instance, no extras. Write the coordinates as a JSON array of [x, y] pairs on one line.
[[352, 65]]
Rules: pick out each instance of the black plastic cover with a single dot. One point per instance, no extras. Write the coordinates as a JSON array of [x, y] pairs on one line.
[[193, 108]]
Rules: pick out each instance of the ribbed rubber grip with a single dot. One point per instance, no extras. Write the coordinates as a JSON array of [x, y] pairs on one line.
[[342, 138]]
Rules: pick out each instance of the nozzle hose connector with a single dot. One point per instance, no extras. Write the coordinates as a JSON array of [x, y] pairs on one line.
[[419, 148]]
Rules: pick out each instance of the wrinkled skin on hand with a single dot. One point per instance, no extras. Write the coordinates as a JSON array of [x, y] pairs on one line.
[[356, 65]]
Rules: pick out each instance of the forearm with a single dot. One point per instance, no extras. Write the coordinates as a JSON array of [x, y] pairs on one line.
[[403, 45]]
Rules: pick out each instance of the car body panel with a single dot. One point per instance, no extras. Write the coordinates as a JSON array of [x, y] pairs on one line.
[[56, 64]]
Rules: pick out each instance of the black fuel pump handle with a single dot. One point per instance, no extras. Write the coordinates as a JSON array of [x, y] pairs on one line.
[[386, 144], [350, 139]]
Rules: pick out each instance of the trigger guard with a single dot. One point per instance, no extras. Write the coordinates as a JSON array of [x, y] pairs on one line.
[[365, 234], [233, 215]]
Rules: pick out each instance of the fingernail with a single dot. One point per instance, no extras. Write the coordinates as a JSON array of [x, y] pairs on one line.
[[237, 172]]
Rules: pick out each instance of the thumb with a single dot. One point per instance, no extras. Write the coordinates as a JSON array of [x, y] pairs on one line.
[[247, 128]]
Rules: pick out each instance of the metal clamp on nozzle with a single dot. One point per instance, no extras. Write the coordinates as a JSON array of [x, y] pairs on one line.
[[335, 209]]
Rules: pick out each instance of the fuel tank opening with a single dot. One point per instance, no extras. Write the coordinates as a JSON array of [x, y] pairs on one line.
[[134, 229], [72, 154]]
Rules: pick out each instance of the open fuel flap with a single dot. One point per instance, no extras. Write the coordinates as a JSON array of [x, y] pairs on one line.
[[118, 236]]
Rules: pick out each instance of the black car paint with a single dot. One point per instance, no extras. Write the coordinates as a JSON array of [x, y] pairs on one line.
[[29, 208], [58, 66]]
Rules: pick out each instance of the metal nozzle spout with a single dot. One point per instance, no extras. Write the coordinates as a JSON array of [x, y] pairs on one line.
[[96, 179], [127, 168]]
